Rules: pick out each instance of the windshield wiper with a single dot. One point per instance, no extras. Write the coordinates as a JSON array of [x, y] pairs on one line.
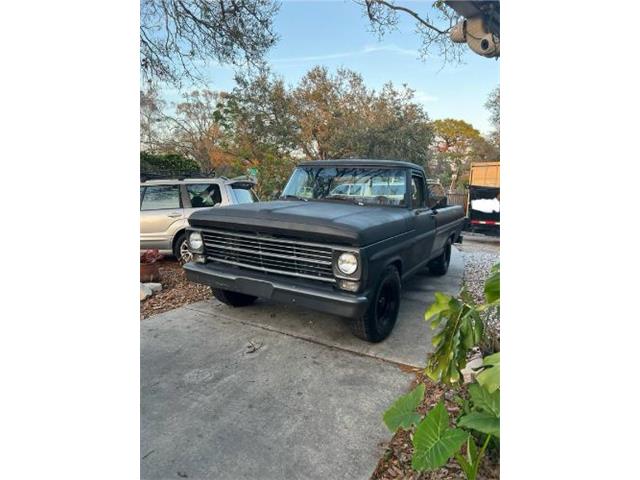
[[343, 198], [294, 197]]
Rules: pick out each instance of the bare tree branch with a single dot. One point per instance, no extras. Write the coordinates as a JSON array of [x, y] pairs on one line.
[[383, 17], [399, 8], [178, 38]]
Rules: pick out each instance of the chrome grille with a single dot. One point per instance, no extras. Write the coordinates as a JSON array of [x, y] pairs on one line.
[[268, 254]]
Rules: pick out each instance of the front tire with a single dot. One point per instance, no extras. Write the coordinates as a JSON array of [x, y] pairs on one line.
[[440, 265], [233, 299], [181, 249], [377, 322]]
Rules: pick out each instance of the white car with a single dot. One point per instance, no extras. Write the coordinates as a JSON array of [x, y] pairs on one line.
[[393, 191], [166, 204]]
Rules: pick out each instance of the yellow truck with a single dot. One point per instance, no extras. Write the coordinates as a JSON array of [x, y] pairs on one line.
[[483, 200]]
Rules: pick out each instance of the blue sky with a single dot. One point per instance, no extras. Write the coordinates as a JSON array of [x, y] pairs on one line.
[[335, 34]]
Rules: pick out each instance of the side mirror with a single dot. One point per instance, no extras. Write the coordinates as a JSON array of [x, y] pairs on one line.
[[441, 203]]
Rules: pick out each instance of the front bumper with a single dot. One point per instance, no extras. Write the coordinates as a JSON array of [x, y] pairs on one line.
[[279, 288]]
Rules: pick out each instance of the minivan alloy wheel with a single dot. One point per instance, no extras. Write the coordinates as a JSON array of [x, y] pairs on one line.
[[185, 254]]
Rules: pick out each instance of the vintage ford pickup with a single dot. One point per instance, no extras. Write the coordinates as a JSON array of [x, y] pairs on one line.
[[342, 238]]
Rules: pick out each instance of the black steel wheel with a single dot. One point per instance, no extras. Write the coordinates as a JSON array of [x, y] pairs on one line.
[[439, 266], [378, 321]]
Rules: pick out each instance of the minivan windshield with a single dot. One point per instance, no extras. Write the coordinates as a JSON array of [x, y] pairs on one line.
[[360, 185]]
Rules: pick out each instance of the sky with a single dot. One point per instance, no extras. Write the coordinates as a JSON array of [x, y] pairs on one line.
[[336, 34]]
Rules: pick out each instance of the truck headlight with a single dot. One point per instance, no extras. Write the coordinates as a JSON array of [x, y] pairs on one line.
[[195, 241], [347, 263]]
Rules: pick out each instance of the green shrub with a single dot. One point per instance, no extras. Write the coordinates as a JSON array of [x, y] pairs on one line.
[[166, 162], [460, 328]]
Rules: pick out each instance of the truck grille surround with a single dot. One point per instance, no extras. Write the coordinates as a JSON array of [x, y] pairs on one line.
[[264, 253]]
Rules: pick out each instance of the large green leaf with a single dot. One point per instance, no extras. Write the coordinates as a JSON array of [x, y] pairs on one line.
[[441, 304], [492, 285], [403, 411], [489, 378], [434, 441], [484, 422], [484, 400], [460, 328]]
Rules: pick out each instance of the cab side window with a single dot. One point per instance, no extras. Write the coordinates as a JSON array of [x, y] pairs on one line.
[[204, 195], [418, 193]]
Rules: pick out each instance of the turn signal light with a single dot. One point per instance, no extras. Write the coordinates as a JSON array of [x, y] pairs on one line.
[[349, 285]]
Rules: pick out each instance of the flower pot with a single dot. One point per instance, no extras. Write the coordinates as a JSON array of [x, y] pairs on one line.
[[149, 272]]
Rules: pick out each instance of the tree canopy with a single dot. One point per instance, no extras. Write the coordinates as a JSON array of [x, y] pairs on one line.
[[457, 144], [339, 117], [493, 105], [179, 37], [265, 125]]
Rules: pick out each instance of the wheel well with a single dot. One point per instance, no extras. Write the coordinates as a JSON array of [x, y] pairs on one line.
[[398, 265]]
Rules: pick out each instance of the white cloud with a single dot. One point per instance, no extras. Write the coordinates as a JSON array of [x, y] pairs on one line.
[[424, 97], [354, 53]]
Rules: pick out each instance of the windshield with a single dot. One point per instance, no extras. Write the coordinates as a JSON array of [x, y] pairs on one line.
[[361, 185]]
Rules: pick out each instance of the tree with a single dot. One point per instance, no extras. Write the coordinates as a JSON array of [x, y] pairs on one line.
[[265, 131], [199, 130], [493, 105], [398, 127], [433, 25], [457, 144], [340, 118], [326, 107], [151, 118], [178, 37], [263, 114]]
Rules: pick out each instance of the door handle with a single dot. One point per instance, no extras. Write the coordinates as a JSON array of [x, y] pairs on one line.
[[174, 215], [425, 210]]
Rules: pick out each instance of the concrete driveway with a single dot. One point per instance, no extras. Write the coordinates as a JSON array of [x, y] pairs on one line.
[[272, 391]]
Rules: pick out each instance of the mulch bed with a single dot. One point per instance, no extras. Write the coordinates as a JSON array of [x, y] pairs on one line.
[[176, 291], [396, 460]]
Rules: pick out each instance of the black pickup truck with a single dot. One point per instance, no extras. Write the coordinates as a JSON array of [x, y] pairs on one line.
[[342, 238]]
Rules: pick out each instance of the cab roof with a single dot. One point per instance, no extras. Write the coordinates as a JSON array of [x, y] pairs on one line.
[[361, 162]]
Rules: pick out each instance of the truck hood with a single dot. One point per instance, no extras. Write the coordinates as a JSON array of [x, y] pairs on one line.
[[341, 223]]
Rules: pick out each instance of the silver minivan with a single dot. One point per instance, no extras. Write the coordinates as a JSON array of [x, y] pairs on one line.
[[166, 204]]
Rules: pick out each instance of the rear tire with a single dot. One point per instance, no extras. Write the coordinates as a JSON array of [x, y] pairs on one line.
[[378, 321], [440, 265], [233, 299]]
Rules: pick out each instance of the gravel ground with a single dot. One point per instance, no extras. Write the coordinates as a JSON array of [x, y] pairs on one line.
[[479, 257], [176, 290]]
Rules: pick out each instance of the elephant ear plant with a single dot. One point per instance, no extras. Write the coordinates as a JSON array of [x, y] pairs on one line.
[[460, 328], [435, 441]]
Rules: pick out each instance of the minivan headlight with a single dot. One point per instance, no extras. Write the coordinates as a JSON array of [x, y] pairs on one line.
[[195, 241], [347, 263]]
